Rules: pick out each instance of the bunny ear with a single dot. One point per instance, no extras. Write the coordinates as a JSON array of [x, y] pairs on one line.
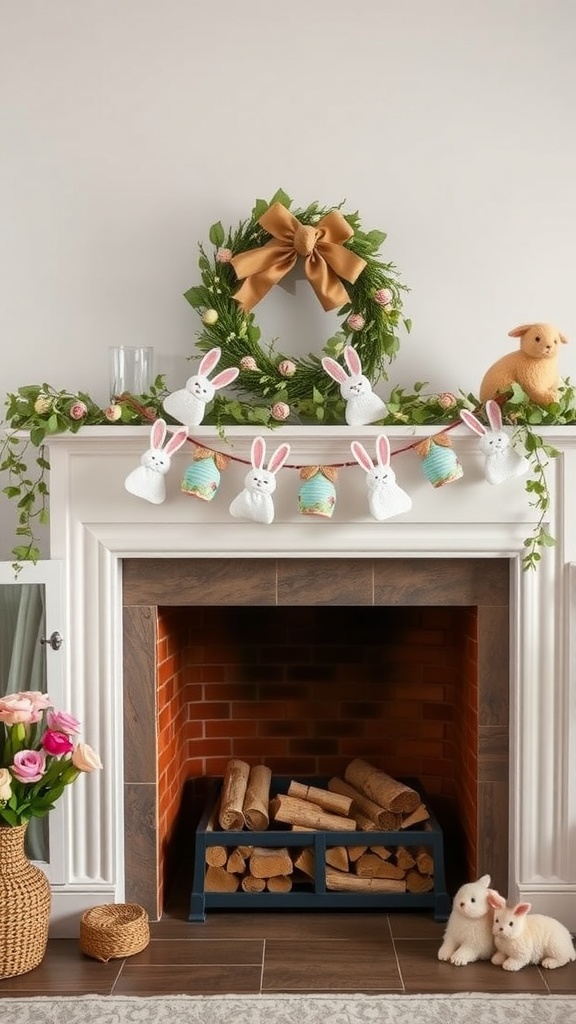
[[495, 900], [258, 452], [517, 332], [208, 362], [225, 377], [177, 440], [383, 450], [279, 457], [471, 421], [158, 433], [361, 455], [334, 370], [494, 414], [352, 360]]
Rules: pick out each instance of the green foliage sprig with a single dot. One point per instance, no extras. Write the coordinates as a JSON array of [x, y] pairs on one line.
[[34, 414]]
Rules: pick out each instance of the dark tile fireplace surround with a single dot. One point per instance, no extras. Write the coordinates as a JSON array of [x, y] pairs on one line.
[[148, 584]]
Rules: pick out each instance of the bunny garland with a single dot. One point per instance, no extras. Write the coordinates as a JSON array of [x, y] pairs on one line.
[[255, 500], [502, 459], [147, 480], [385, 497], [188, 404], [362, 405]]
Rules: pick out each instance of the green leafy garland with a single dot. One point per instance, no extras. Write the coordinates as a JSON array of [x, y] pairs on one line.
[[273, 386]]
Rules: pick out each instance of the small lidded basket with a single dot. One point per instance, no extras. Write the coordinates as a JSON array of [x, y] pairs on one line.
[[114, 930]]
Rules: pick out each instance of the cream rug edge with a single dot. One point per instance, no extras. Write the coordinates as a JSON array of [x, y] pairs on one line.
[[463, 1008]]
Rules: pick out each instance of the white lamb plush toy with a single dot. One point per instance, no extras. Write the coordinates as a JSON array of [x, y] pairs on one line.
[[468, 934]]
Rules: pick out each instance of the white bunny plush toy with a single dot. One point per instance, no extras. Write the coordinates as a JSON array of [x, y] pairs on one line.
[[255, 501], [468, 934], [362, 405], [502, 459], [188, 404], [522, 938], [147, 480], [385, 497]]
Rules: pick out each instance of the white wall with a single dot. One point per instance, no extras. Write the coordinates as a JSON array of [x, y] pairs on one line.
[[129, 126]]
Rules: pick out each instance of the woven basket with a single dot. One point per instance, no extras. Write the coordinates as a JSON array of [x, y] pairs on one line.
[[114, 930], [25, 901]]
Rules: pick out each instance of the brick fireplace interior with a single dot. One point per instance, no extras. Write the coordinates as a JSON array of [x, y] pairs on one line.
[[304, 664]]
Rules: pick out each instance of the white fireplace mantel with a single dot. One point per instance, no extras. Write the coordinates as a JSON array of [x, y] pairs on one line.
[[95, 523]]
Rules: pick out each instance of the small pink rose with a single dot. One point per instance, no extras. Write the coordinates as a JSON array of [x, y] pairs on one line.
[[29, 765], [78, 410], [280, 411], [61, 721], [446, 399], [56, 743], [16, 709], [113, 412], [287, 368], [224, 255], [85, 759], [383, 297], [355, 321], [248, 363]]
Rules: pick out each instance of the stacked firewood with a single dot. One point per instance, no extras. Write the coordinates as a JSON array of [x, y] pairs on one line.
[[366, 800]]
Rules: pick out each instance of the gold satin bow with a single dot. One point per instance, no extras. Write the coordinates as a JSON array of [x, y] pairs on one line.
[[326, 260]]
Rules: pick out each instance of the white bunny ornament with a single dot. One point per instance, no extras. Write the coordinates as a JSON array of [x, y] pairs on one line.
[[147, 480], [502, 459], [468, 934], [522, 938], [255, 501], [362, 405], [188, 404], [385, 497]]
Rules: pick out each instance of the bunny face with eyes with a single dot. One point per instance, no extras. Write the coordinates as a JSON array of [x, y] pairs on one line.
[[468, 935], [147, 480], [534, 367], [255, 501], [188, 404], [502, 459], [385, 497], [362, 405]]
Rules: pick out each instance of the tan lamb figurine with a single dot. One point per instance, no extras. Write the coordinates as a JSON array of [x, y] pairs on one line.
[[534, 367]]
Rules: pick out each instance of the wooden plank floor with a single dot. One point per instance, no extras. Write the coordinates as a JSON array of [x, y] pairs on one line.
[[266, 952]]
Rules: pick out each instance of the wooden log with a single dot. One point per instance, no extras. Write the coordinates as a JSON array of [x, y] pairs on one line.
[[279, 883], [381, 851], [420, 814], [404, 858], [304, 861], [365, 824], [236, 863], [267, 861], [385, 820], [382, 788], [424, 861], [293, 811], [334, 803], [256, 798], [337, 857], [216, 856], [415, 882], [339, 882], [251, 884], [236, 773], [220, 880], [355, 851], [371, 866]]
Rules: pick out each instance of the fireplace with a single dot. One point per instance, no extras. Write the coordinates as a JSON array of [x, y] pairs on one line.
[[304, 665], [110, 542]]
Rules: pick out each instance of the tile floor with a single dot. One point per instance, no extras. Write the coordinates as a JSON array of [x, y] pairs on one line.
[[296, 951]]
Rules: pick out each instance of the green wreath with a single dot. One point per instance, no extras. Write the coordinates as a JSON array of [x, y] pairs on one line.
[[274, 386]]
